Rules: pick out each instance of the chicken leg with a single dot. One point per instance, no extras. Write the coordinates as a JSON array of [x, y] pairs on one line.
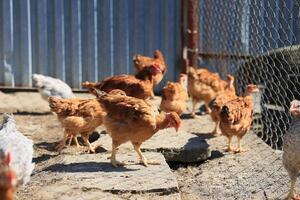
[[207, 109], [194, 101], [142, 158], [62, 143], [239, 149], [229, 148], [292, 193], [113, 160], [216, 131]]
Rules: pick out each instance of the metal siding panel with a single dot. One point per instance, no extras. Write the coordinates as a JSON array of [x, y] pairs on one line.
[[121, 37], [89, 43], [22, 58], [105, 39], [42, 35], [6, 46], [136, 31], [167, 28], [1, 45], [102, 35], [34, 34], [59, 40], [76, 44], [177, 40], [67, 44], [50, 61]]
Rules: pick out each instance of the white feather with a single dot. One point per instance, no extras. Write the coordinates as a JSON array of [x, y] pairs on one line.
[[49, 86], [20, 147]]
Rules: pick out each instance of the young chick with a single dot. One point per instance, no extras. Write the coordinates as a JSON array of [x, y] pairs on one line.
[[236, 117], [20, 147], [291, 149], [8, 179], [134, 120], [174, 98], [48, 86]]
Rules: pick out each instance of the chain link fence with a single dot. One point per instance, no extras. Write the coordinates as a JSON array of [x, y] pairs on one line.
[[257, 41]]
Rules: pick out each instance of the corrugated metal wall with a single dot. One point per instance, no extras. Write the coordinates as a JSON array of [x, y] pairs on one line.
[[79, 40]]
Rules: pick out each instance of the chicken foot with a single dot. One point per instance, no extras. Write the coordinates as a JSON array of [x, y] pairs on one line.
[[85, 138], [292, 193], [143, 159], [113, 160], [239, 149]]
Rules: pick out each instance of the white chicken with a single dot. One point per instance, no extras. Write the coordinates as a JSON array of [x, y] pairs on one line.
[[49, 86], [291, 149], [20, 148]]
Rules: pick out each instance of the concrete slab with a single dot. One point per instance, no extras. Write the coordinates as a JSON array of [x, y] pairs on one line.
[[66, 174]]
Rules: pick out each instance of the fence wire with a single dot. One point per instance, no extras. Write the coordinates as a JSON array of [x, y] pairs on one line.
[[257, 41]]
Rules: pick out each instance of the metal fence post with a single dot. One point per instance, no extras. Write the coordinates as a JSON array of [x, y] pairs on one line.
[[192, 32]]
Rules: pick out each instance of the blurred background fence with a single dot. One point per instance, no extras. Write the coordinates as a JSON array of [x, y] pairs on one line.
[[257, 41], [78, 40]]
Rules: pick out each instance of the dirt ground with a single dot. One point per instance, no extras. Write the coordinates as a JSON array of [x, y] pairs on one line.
[[255, 174]]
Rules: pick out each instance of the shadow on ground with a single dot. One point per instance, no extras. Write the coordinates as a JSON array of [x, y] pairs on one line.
[[86, 167]]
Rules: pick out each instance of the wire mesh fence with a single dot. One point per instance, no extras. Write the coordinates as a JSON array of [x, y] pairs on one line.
[[257, 41]]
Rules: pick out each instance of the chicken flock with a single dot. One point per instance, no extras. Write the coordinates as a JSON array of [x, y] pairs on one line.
[[122, 105]]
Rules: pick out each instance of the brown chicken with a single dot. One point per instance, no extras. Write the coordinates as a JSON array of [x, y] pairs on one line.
[[8, 178], [291, 149], [203, 85], [77, 116], [236, 117], [174, 98], [140, 62], [222, 97], [139, 86], [134, 120]]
